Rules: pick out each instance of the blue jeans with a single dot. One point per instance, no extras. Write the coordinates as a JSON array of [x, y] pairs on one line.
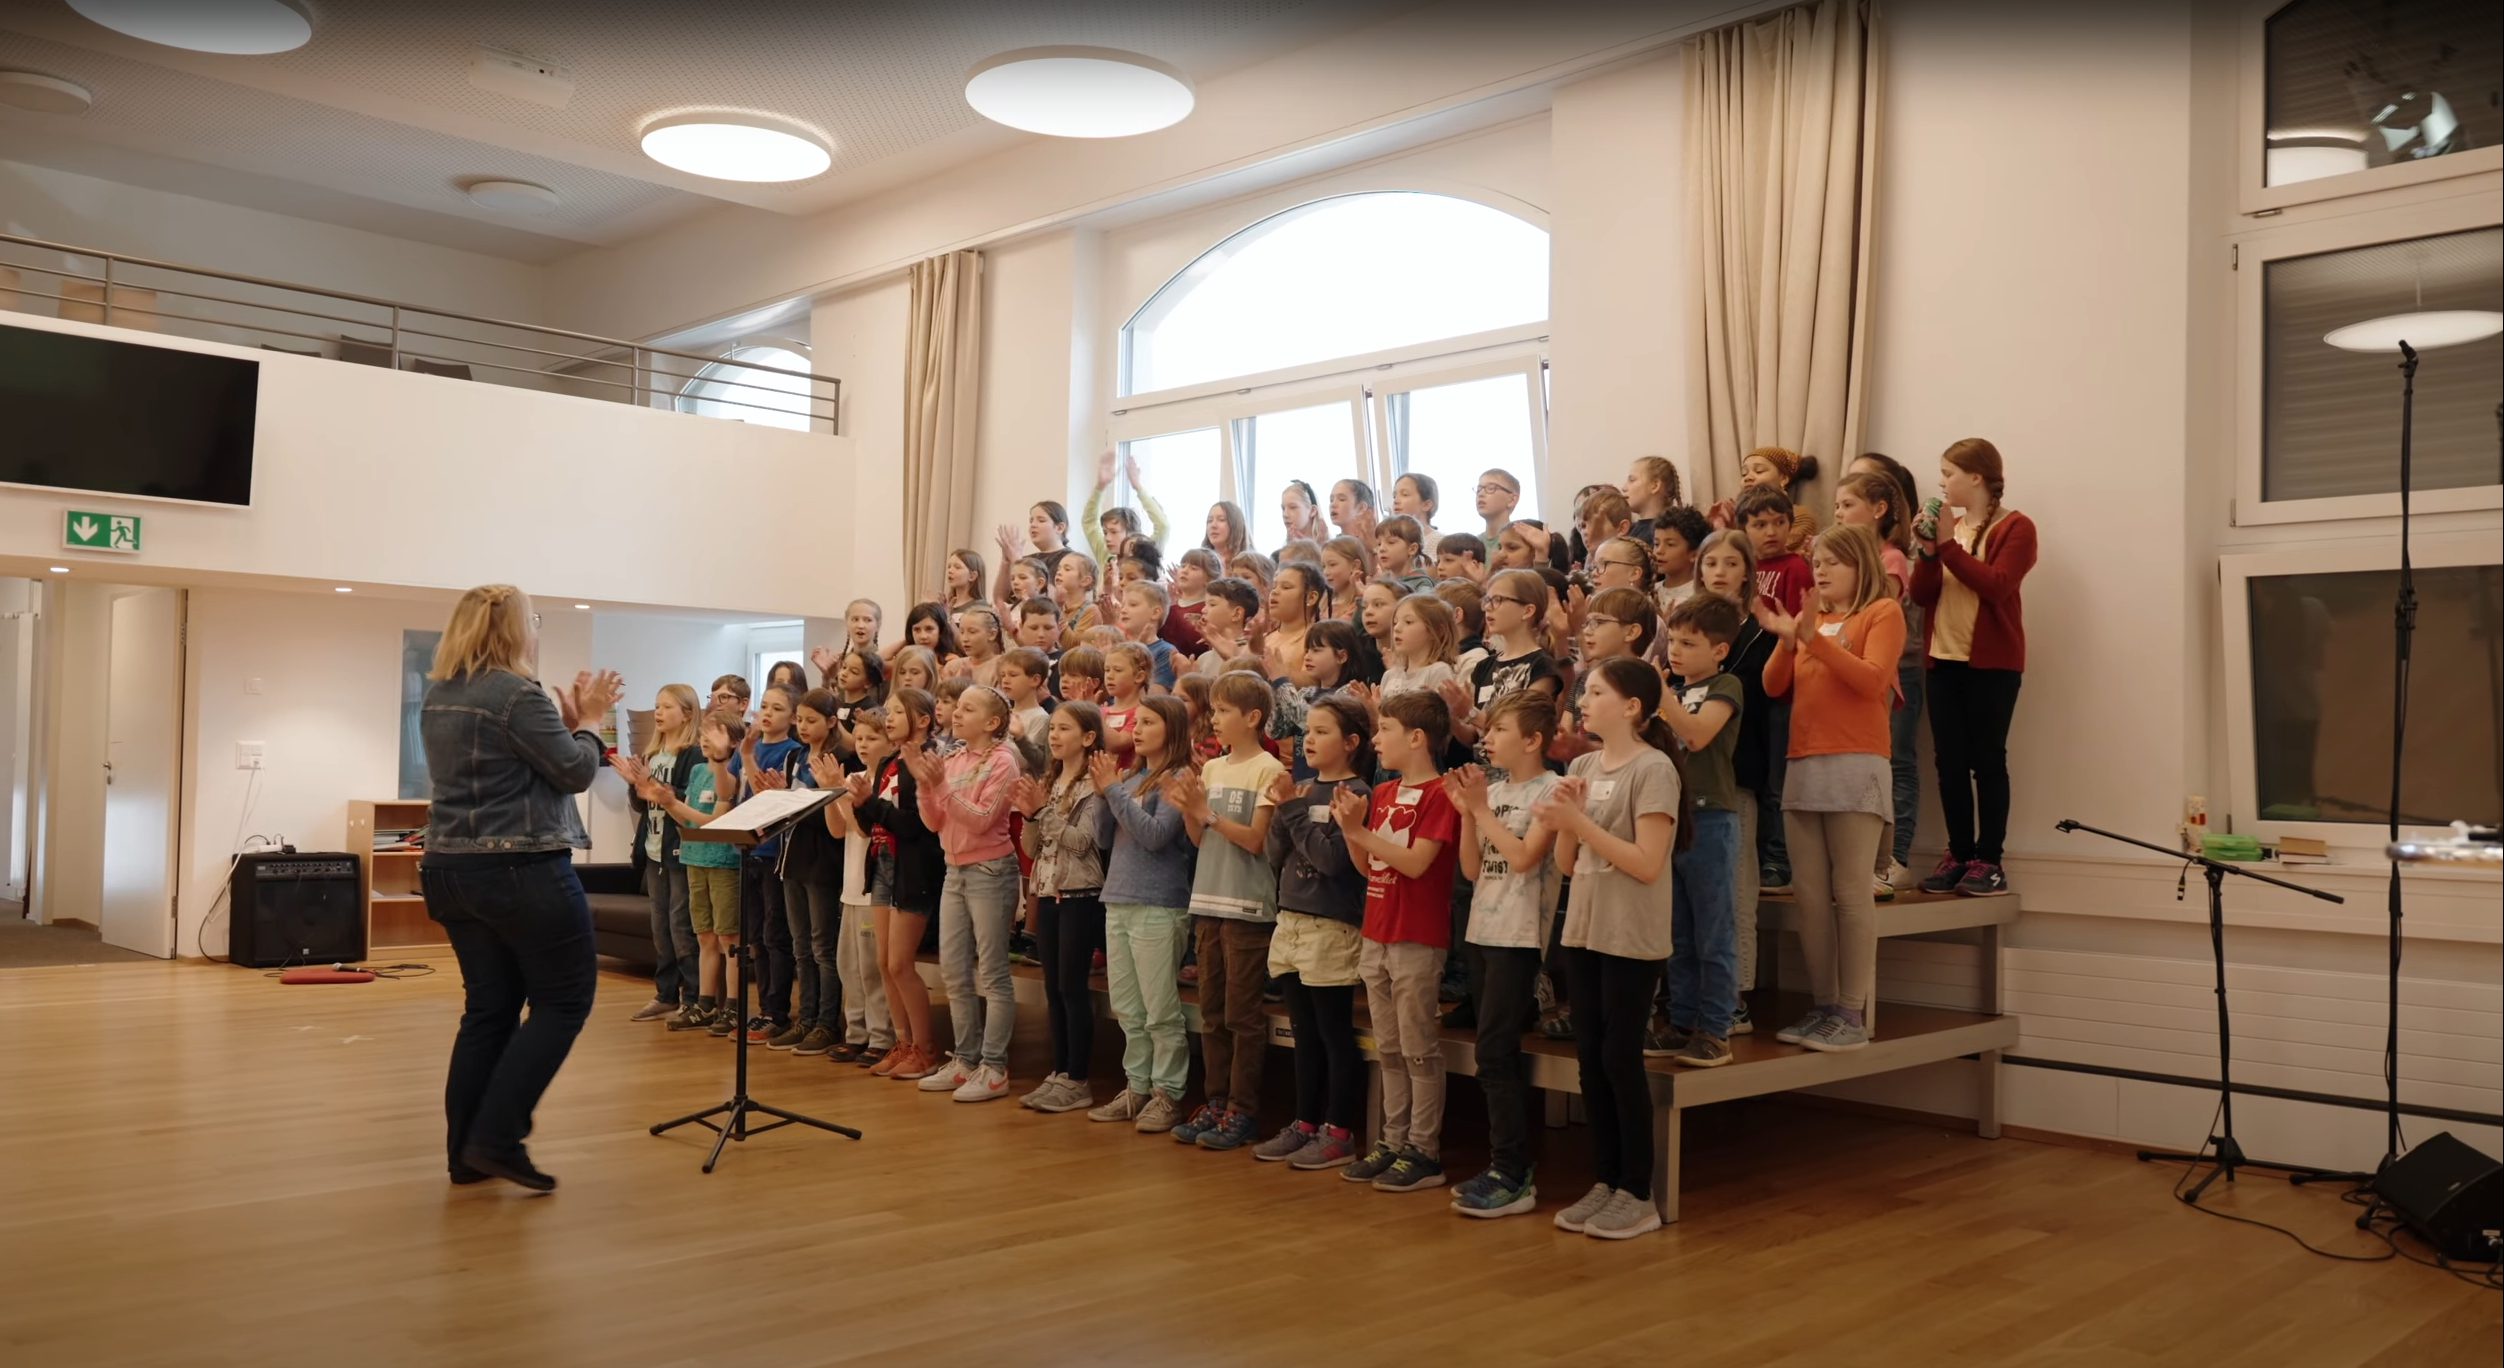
[[523, 935], [814, 912], [977, 908], [1903, 761], [673, 935], [1703, 927]]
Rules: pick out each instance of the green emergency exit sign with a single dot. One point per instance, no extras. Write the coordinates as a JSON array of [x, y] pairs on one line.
[[83, 531]]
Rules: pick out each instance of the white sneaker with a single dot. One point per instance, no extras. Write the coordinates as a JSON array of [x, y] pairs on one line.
[[953, 1073], [988, 1083], [654, 1010], [1044, 1091], [1625, 1217], [1577, 1216], [1898, 877]]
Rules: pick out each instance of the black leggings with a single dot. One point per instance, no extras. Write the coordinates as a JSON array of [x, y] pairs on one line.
[[1612, 999], [1329, 1070], [1969, 716], [1069, 930]]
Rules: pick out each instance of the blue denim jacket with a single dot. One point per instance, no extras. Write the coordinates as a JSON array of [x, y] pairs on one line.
[[505, 769]]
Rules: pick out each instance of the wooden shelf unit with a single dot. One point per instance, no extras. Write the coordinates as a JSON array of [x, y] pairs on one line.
[[395, 910]]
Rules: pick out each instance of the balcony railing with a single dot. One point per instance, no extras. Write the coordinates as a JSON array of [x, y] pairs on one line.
[[85, 285]]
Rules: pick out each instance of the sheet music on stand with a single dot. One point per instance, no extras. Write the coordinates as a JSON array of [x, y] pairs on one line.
[[747, 822]]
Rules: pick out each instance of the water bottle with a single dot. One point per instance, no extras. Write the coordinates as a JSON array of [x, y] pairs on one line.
[[1926, 526]]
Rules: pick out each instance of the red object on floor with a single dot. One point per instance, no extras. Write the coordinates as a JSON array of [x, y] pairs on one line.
[[326, 976]]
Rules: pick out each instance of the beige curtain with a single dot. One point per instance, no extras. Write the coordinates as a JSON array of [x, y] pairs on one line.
[[942, 391], [1781, 140]]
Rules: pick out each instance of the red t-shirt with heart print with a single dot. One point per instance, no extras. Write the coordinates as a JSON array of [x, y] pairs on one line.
[[1400, 910]]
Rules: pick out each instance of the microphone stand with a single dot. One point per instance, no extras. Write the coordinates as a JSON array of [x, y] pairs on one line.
[[735, 1126], [2229, 1155]]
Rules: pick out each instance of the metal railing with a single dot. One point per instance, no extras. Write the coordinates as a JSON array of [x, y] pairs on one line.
[[94, 286]]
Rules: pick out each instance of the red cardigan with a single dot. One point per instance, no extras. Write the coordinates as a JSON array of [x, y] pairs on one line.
[[2008, 552]]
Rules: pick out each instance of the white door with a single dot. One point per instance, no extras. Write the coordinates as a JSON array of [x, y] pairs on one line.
[[143, 728]]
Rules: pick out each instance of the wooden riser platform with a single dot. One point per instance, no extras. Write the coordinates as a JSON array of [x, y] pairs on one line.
[[1916, 1035]]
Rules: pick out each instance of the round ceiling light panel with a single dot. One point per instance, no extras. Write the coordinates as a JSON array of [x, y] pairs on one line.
[[511, 196], [1079, 92], [736, 147], [44, 94], [242, 28], [2425, 330]]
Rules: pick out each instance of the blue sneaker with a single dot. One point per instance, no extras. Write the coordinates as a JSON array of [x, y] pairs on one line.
[[1412, 1172], [1495, 1193], [1376, 1163], [1199, 1123], [1234, 1132]]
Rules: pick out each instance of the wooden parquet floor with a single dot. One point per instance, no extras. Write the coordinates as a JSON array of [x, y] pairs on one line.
[[201, 1167]]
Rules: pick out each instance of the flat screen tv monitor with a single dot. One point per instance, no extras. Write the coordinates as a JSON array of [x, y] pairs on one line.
[[90, 414]]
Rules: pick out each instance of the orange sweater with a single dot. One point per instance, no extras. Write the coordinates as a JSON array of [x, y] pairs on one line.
[[1846, 682]]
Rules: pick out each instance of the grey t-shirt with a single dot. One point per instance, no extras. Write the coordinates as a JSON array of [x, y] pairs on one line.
[[1610, 911], [1511, 906]]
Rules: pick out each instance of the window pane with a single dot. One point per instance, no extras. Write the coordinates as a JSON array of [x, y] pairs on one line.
[[1182, 470], [2331, 418], [2358, 84], [1454, 432], [1316, 445], [2321, 697], [1339, 277], [729, 389]]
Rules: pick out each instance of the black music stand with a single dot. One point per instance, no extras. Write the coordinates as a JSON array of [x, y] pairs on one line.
[[735, 1126], [2229, 1155]]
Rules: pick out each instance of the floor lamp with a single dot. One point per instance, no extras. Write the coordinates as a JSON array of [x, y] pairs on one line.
[[2406, 334]]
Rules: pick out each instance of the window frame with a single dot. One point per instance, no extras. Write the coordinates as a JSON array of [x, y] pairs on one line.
[[2253, 251], [728, 355], [2253, 193], [1123, 358], [1532, 367], [1360, 381], [2235, 572]]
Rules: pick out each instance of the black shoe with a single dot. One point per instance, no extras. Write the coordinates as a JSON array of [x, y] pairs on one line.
[[465, 1176], [515, 1169]]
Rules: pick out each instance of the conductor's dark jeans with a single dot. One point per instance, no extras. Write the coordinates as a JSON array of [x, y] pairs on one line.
[[522, 932]]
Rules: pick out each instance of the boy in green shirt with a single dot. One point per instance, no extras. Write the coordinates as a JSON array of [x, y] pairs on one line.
[[1704, 715]]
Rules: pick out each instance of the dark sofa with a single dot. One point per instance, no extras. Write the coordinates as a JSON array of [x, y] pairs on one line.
[[621, 913]]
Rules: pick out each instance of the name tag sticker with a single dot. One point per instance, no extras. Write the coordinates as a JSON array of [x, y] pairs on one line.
[[1830, 629], [1409, 795], [1321, 809], [1485, 692], [1603, 789]]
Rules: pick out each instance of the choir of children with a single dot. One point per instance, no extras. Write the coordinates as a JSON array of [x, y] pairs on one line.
[[1315, 782]]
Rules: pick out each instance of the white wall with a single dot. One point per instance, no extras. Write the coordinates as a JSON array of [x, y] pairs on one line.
[[328, 714], [369, 475], [1617, 295], [860, 336], [2048, 302], [651, 650], [84, 211]]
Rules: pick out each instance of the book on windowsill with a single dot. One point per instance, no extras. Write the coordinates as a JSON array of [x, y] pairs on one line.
[[2303, 850]]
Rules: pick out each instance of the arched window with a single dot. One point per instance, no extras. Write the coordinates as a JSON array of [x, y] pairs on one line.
[[734, 387], [1362, 336]]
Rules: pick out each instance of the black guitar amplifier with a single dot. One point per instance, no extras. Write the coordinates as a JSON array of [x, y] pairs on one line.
[[295, 909]]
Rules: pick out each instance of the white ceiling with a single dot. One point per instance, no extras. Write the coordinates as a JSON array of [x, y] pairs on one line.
[[374, 124]]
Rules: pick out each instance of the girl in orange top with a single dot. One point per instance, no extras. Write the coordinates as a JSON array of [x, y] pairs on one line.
[[1837, 660]]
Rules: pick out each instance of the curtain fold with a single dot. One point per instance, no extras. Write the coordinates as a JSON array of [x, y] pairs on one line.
[[1781, 142], [942, 396]]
